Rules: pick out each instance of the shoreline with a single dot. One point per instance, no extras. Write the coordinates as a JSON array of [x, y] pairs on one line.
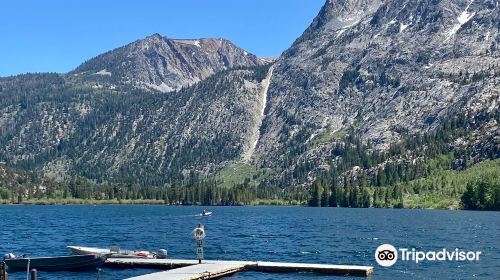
[[141, 202], [42, 202]]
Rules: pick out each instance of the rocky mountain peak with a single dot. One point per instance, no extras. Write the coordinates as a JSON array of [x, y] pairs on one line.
[[160, 63], [152, 39], [340, 13]]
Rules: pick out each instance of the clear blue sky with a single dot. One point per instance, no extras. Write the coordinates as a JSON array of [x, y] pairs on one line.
[[58, 35]]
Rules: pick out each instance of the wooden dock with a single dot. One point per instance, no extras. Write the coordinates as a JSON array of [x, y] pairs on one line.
[[178, 269], [195, 272], [331, 269]]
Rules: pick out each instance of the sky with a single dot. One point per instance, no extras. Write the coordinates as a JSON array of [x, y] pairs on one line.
[[59, 35]]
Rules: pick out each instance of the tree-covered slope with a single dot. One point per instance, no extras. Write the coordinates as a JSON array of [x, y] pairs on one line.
[[370, 96], [52, 124]]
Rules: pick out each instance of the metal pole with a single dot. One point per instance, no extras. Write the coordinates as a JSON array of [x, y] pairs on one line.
[[28, 270], [34, 274]]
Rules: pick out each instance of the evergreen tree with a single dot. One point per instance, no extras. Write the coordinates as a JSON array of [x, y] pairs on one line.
[[469, 200], [365, 198], [317, 193], [333, 198], [325, 199]]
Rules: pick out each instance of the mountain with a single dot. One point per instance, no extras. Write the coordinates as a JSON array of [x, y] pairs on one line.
[[106, 121], [373, 93], [165, 64], [388, 70], [64, 129]]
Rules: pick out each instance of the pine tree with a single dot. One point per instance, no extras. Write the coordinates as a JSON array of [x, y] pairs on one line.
[[481, 194], [325, 199], [365, 198], [469, 200], [333, 198], [317, 192]]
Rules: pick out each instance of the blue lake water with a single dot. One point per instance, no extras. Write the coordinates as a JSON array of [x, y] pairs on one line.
[[294, 234]]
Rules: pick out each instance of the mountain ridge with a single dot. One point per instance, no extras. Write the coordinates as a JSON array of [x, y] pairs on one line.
[[367, 75], [165, 64]]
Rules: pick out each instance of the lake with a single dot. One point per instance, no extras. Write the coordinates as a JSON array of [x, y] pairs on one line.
[[294, 234]]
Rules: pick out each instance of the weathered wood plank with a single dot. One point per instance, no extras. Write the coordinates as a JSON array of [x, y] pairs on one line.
[[347, 270], [194, 272]]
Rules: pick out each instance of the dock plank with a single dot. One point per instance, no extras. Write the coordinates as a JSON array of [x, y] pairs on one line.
[[346, 270], [195, 272]]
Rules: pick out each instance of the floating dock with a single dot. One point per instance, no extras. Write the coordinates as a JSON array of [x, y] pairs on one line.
[[178, 269], [194, 272]]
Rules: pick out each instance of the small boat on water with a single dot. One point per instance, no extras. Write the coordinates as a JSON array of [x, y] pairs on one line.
[[63, 263], [116, 252], [206, 213]]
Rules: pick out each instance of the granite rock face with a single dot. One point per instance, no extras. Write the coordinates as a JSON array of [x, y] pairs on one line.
[[382, 67], [165, 64]]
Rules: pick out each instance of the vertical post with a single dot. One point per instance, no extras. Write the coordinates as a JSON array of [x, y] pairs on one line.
[[98, 273], [28, 270], [199, 235], [199, 250], [3, 271], [34, 274]]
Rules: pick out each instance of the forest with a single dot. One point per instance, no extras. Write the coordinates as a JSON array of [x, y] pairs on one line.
[[435, 175]]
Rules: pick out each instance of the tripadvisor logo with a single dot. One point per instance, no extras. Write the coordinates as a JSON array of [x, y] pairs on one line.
[[387, 255]]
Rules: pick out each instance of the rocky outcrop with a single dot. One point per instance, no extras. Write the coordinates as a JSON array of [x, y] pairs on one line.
[[381, 67], [165, 64]]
